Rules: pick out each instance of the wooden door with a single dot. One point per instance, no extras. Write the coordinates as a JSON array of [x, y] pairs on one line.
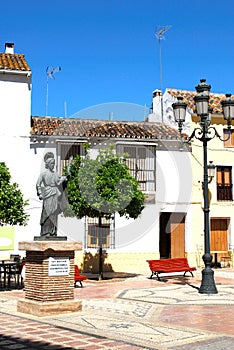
[[219, 237], [177, 235]]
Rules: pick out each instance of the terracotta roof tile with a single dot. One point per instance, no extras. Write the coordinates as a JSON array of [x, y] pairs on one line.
[[10, 61], [48, 126], [215, 99]]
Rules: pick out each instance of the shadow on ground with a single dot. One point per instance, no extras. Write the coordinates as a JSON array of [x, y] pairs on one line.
[[10, 342], [113, 276], [180, 280]]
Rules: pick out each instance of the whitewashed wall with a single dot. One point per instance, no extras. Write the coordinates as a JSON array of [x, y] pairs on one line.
[[25, 163], [15, 114]]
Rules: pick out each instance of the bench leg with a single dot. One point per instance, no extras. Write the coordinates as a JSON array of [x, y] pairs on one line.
[[80, 284], [156, 274], [188, 271]]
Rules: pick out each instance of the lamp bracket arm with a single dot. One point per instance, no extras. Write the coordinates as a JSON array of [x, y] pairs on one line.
[[187, 140], [216, 134], [197, 133], [192, 135], [207, 134]]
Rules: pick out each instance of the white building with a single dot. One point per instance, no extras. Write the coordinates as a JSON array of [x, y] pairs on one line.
[[157, 158]]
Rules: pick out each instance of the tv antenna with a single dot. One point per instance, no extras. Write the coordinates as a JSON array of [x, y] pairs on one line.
[[50, 74], [160, 31]]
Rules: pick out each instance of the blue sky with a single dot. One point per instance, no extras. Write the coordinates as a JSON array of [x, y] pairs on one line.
[[109, 54]]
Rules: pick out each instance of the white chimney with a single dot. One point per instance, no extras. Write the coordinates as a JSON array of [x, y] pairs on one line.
[[9, 47], [156, 115], [157, 97]]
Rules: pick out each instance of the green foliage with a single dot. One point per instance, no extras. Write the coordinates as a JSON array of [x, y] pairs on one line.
[[11, 200], [102, 186]]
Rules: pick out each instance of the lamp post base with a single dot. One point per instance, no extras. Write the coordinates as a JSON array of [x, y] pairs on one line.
[[208, 284]]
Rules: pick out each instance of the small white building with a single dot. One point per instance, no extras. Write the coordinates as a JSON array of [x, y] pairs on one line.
[[158, 159]]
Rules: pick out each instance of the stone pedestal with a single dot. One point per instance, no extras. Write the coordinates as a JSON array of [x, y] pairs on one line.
[[49, 278]]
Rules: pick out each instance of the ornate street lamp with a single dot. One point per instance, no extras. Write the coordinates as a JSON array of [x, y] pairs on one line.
[[205, 133], [211, 171], [228, 109]]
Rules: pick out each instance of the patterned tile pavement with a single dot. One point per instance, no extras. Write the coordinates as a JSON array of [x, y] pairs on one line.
[[132, 313]]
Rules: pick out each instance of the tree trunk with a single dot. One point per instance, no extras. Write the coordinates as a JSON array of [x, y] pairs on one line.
[[100, 275], [100, 262]]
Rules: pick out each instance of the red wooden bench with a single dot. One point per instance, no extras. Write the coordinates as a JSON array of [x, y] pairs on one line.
[[169, 265], [78, 277]]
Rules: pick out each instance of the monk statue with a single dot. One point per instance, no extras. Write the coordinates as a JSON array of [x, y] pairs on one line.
[[51, 189]]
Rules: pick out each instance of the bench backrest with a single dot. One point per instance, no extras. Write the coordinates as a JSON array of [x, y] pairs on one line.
[[168, 263], [76, 270]]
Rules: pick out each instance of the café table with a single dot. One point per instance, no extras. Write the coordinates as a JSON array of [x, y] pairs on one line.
[[8, 269], [216, 252]]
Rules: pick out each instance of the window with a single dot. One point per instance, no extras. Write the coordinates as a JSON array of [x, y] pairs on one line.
[[65, 151], [224, 183], [141, 162], [230, 141], [98, 233]]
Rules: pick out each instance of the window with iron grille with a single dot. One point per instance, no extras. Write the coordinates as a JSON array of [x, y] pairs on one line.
[[99, 233], [141, 163], [65, 151], [224, 183]]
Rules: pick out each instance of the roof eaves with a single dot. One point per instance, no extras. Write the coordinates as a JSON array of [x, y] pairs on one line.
[[28, 73]]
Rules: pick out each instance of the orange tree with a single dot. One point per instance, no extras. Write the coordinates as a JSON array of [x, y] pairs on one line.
[[103, 186], [12, 204]]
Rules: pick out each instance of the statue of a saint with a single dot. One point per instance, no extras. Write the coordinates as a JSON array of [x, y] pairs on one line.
[[51, 189]]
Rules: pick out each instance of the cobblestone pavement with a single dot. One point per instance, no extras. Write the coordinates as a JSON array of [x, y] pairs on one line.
[[132, 313]]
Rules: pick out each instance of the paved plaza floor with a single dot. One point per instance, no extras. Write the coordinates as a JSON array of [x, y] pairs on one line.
[[129, 313]]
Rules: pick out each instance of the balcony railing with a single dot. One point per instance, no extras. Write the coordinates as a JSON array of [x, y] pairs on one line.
[[224, 193]]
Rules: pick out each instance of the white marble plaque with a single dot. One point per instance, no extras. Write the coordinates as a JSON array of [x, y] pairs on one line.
[[59, 266]]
